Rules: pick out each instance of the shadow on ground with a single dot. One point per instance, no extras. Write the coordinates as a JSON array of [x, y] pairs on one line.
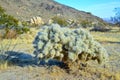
[[111, 42], [25, 59]]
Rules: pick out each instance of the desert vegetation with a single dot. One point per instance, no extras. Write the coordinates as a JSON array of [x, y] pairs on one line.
[[36, 21], [11, 25], [60, 20], [108, 70], [67, 44], [61, 49], [116, 18]]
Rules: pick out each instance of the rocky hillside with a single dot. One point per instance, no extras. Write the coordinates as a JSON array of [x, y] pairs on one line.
[[25, 9]]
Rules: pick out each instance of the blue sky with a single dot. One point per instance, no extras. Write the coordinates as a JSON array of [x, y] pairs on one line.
[[101, 8]]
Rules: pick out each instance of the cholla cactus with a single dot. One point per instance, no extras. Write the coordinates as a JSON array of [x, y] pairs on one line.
[[36, 20], [55, 42]]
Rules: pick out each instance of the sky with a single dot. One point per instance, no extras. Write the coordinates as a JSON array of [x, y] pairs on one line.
[[100, 8]]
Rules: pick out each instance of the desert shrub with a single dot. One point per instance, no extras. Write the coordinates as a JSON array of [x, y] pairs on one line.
[[60, 20], [88, 13], [116, 18], [10, 34], [85, 23], [1, 10], [100, 27], [22, 27], [11, 23], [8, 20], [65, 44]]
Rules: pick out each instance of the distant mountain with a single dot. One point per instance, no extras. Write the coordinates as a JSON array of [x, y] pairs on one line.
[[108, 20], [25, 9]]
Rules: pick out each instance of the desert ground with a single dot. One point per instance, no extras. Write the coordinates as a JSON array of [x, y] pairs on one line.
[[27, 69]]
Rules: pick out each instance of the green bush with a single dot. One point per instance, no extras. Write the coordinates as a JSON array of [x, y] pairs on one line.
[[1, 10], [61, 43], [86, 23], [8, 20], [60, 20], [11, 23]]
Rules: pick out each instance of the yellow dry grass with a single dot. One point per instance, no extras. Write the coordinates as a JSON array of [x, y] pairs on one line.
[[21, 42], [106, 36], [3, 65], [100, 73], [117, 76], [30, 68]]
